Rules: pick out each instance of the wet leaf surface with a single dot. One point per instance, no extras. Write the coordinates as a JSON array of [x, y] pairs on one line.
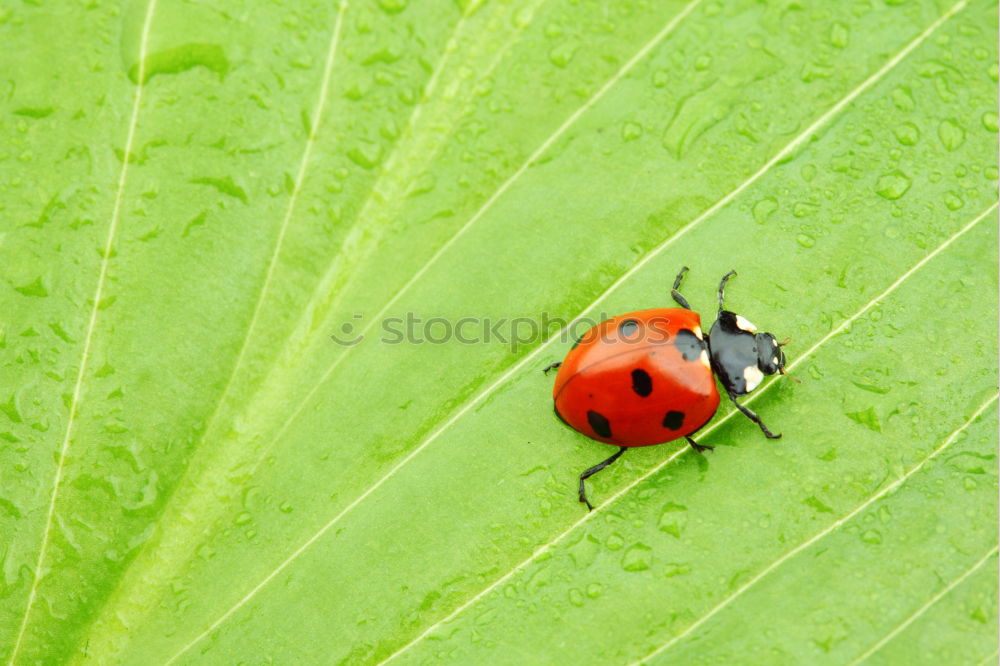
[[279, 283]]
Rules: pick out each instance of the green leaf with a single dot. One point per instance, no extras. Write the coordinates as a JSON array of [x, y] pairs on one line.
[[279, 283]]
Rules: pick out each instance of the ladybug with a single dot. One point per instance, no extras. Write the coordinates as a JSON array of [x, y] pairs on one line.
[[648, 377]]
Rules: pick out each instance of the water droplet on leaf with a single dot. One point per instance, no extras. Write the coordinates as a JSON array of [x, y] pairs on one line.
[[637, 558], [892, 185], [951, 134]]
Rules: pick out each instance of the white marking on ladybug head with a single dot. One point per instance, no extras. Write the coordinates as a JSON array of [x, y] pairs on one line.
[[704, 359], [697, 333], [744, 324], [774, 360], [753, 377]]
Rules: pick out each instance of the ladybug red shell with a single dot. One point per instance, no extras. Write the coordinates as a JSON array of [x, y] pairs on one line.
[[649, 377], [638, 379]]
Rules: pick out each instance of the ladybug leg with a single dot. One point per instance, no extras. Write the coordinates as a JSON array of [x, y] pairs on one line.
[[722, 287], [753, 417], [700, 448], [551, 366], [594, 470], [681, 301]]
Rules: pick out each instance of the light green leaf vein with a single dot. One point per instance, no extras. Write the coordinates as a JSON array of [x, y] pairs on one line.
[[819, 535], [106, 256], [991, 554]]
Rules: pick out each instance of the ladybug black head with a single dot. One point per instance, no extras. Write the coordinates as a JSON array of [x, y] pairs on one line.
[[770, 358], [741, 357]]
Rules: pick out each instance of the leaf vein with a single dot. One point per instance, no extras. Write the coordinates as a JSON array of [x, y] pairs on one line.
[[91, 325], [930, 602], [819, 535]]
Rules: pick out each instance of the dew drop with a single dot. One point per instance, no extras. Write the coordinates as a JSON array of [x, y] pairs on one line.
[[805, 240], [34, 289], [250, 496], [673, 518], [951, 134], [866, 417], [576, 597], [907, 134], [953, 201], [839, 34], [614, 542], [389, 130], [392, 6], [804, 209], [871, 536], [903, 99], [674, 569], [366, 155], [631, 131], [561, 55], [522, 17], [990, 121], [637, 558], [422, 185], [763, 209], [892, 185]]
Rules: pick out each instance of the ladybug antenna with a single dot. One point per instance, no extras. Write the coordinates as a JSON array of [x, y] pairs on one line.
[[784, 342], [722, 288], [785, 374]]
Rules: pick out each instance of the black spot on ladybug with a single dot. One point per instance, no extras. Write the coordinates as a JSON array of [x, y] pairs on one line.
[[556, 410], [689, 345], [599, 424], [628, 328], [673, 420], [642, 383]]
